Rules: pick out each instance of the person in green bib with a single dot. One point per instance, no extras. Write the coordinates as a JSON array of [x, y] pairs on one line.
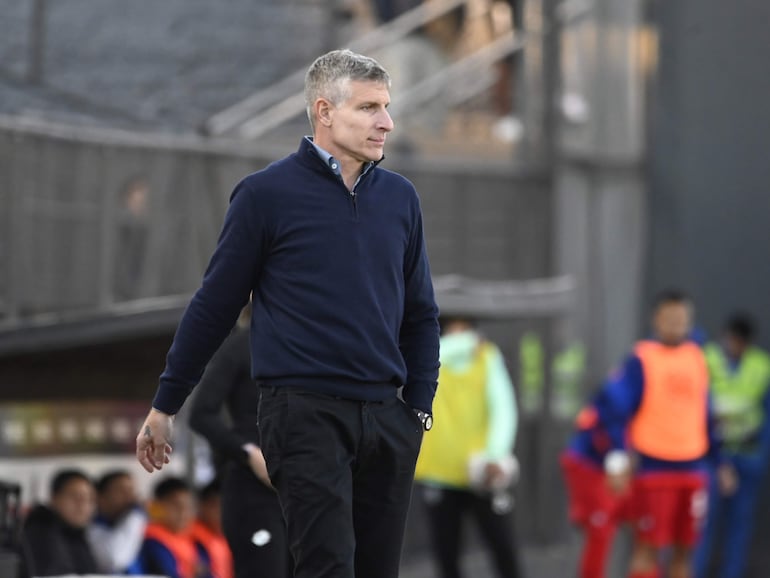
[[740, 390], [466, 464]]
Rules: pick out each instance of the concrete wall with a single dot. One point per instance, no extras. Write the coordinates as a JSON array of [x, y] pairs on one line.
[[710, 175]]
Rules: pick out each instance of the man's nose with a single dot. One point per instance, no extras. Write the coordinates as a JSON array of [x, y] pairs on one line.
[[385, 122]]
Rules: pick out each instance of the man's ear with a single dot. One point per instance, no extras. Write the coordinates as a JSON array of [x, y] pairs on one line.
[[323, 111]]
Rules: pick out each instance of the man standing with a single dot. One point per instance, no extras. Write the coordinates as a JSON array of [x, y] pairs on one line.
[[343, 315], [740, 387], [661, 399]]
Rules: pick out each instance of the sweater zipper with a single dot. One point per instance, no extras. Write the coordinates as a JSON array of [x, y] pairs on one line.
[[353, 197]]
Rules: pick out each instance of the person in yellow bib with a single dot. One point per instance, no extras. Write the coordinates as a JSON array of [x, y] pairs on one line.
[[740, 389], [466, 464]]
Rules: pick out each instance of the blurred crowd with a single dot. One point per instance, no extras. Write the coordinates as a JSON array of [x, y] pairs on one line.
[[103, 527]]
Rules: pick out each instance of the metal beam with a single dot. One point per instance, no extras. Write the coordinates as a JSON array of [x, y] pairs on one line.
[[551, 297], [64, 331], [230, 118]]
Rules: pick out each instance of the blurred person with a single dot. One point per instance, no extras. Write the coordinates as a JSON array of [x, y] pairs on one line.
[[132, 238], [344, 319], [740, 387], [117, 531], [508, 127], [466, 464], [206, 532], [661, 399], [168, 548], [595, 506], [251, 515], [54, 536]]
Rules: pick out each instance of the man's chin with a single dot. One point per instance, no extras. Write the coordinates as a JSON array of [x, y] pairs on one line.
[[377, 155]]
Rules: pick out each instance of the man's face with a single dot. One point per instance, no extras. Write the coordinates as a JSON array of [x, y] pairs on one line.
[[75, 503], [672, 322], [210, 512], [359, 125], [457, 326], [734, 345], [177, 510], [118, 498]]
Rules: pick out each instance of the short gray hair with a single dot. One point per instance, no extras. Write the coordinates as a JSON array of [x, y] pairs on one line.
[[329, 75]]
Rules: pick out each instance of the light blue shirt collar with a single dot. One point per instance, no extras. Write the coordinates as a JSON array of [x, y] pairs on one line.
[[333, 163], [330, 161]]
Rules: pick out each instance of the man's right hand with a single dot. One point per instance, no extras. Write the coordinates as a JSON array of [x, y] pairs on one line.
[[620, 482], [153, 443], [618, 468]]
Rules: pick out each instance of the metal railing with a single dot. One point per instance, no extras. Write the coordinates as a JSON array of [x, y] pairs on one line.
[[283, 101], [78, 268]]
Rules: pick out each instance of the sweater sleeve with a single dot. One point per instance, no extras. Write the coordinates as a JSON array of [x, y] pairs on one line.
[[764, 432], [619, 399], [503, 412], [225, 371], [213, 310], [419, 335], [715, 455]]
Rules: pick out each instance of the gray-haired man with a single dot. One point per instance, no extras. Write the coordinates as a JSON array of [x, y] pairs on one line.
[[343, 315]]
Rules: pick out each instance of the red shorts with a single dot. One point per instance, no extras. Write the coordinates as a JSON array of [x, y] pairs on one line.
[[668, 508], [591, 501]]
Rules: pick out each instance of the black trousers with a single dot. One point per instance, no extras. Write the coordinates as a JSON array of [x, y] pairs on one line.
[[343, 470], [446, 509], [253, 525]]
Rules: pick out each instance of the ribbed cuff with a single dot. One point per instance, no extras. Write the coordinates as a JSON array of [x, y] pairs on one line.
[[169, 399], [419, 397]]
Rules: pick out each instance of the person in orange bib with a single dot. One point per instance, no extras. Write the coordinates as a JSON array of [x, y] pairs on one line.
[[206, 531], [168, 548], [661, 398]]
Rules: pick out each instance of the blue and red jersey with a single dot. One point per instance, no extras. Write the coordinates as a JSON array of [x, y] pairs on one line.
[[618, 402]]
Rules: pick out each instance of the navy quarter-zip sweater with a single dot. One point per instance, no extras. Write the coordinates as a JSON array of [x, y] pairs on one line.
[[342, 296]]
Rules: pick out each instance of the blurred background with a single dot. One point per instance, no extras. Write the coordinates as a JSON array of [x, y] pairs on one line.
[[573, 157]]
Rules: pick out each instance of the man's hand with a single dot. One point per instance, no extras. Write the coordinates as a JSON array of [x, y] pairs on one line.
[[619, 482], [257, 464], [727, 479], [153, 444], [619, 468], [494, 476]]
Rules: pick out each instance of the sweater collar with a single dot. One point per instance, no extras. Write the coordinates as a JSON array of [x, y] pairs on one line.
[[308, 148]]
